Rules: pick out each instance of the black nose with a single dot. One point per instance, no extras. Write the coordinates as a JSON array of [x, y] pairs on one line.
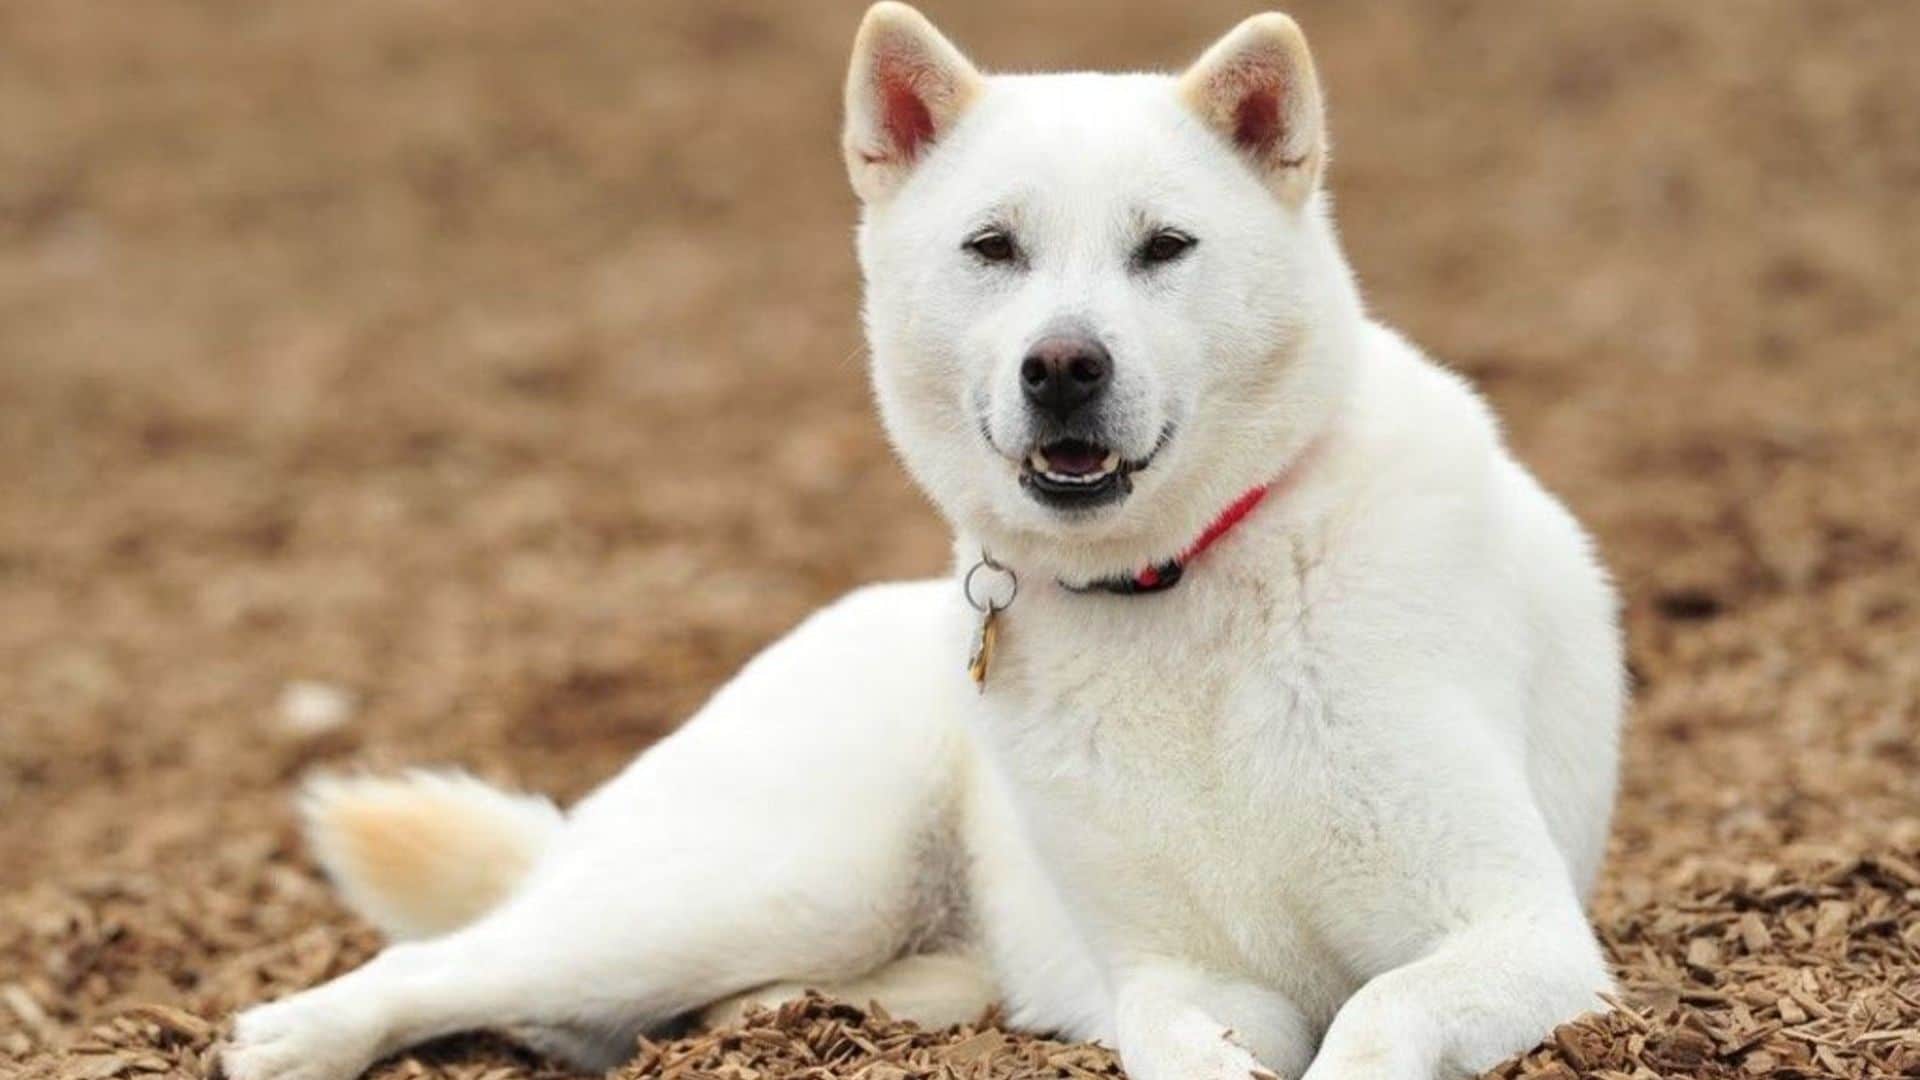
[[1063, 373]]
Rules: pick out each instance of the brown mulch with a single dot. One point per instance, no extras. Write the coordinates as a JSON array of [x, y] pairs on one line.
[[413, 382], [1805, 966], [821, 1038]]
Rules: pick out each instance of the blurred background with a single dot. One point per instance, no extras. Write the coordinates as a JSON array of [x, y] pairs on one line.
[[412, 381]]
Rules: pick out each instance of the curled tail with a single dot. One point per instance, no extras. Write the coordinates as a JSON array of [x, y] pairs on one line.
[[425, 852]]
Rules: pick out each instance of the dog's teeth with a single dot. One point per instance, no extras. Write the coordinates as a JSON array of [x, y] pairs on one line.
[[1037, 460], [1072, 478]]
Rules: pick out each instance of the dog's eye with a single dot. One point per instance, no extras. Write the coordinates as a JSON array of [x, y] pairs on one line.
[[1164, 247], [993, 246]]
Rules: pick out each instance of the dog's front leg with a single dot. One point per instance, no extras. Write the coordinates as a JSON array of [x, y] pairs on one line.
[[1175, 1023], [1479, 996]]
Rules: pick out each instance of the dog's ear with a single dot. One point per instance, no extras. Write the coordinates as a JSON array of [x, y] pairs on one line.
[[1257, 88], [906, 87]]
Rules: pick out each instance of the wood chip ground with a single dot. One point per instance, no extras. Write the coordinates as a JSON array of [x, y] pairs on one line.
[[389, 383]]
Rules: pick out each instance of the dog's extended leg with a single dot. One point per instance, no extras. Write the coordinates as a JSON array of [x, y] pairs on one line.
[[409, 993], [1481, 995], [804, 827]]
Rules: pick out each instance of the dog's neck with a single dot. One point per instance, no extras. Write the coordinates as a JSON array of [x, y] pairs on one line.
[[1160, 576]]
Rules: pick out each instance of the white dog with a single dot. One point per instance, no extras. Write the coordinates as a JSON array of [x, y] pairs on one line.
[[1290, 741]]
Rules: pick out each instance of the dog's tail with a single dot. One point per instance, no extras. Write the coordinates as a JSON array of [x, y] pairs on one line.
[[425, 852]]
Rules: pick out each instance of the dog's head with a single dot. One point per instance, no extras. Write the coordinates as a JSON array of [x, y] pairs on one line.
[[1099, 305]]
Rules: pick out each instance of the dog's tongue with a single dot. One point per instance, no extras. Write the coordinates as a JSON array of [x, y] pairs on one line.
[[1071, 457]]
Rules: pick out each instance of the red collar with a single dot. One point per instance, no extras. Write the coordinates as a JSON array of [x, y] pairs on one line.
[[1167, 574]]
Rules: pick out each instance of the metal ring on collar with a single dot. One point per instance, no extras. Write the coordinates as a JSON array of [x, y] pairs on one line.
[[987, 607]]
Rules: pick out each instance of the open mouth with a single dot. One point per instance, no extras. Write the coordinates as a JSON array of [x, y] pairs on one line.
[[1076, 474]]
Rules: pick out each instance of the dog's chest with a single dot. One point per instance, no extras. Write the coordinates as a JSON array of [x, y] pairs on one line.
[[1092, 680], [1153, 741]]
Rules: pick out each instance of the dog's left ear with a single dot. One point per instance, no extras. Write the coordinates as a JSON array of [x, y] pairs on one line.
[[906, 87], [1256, 87]]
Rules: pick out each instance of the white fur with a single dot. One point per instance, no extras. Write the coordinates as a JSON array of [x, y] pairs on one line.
[[1331, 806]]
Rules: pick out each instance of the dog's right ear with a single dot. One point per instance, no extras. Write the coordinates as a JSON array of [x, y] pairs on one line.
[[906, 87]]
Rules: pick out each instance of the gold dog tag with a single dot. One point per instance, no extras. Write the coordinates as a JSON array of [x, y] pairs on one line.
[[985, 599], [982, 657]]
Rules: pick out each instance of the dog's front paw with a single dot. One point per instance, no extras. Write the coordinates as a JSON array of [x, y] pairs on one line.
[[1218, 1058], [304, 1037], [1192, 1047], [1374, 1054]]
